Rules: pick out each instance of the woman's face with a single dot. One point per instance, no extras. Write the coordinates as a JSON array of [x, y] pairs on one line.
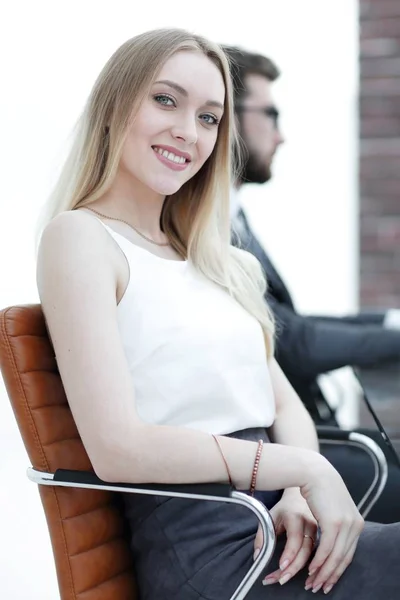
[[175, 130]]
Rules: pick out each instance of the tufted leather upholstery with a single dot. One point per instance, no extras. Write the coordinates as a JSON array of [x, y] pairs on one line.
[[87, 527]]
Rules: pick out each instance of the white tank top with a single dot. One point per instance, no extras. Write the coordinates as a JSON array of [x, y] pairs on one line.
[[197, 358]]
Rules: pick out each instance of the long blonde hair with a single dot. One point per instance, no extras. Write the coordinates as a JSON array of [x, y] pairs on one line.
[[195, 218]]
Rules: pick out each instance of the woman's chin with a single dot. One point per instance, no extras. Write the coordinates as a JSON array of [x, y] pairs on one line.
[[167, 188]]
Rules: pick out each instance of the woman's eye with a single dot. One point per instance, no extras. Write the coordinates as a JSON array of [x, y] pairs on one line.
[[210, 119], [164, 100]]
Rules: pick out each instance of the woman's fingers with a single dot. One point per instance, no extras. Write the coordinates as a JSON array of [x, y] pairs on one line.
[[284, 575], [334, 578], [331, 563], [341, 556], [258, 542], [326, 545], [294, 525], [297, 551], [301, 559]]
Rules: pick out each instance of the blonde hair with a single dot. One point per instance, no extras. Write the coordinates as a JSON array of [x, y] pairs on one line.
[[195, 218]]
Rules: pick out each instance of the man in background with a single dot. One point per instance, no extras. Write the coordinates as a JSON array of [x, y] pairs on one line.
[[306, 346]]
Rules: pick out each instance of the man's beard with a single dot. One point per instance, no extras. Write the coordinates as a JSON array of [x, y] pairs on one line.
[[254, 171]]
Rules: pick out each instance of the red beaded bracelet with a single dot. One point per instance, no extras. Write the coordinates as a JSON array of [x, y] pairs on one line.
[[255, 468]]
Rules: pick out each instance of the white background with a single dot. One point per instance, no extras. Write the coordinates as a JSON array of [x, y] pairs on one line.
[[50, 54]]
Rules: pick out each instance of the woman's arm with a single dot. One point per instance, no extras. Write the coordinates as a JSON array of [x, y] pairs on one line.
[[78, 270], [293, 425]]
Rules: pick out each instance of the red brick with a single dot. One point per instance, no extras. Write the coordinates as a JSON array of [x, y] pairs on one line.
[[380, 260], [369, 207], [380, 240], [380, 147], [368, 243], [381, 126], [379, 8], [379, 47], [389, 235], [381, 187], [380, 28], [381, 205], [378, 300], [379, 278], [379, 167], [379, 153], [380, 285], [383, 86], [380, 67], [376, 106]]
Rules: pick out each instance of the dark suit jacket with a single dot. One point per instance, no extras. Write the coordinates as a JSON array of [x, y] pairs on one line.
[[307, 346]]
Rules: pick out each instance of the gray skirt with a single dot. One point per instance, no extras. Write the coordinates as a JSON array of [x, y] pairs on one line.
[[197, 550]]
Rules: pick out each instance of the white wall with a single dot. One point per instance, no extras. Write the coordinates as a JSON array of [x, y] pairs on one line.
[[51, 53]]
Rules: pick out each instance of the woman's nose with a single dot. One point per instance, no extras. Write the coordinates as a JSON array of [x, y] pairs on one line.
[[186, 130]]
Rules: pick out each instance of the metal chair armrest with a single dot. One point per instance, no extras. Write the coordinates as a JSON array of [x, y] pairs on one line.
[[215, 492], [336, 436]]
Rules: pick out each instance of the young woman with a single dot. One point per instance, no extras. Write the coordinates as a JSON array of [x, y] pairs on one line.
[[165, 346]]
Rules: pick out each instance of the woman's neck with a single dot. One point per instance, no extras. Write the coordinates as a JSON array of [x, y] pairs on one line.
[[139, 207]]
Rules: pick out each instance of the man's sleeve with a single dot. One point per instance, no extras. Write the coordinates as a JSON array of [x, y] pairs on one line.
[[362, 318], [307, 346]]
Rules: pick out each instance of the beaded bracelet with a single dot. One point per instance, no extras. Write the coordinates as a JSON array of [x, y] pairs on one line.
[[255, 468]]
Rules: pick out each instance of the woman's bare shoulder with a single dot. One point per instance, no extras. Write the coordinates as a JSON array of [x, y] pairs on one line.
[[72, 246], [73, 236], [73, 225]]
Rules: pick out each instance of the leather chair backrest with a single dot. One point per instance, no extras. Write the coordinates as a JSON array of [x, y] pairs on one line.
[[87, 527]]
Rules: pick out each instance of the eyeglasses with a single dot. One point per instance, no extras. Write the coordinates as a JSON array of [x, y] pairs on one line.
[[268, 111]]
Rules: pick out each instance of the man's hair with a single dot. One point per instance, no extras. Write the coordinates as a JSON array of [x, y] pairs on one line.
[[245, 63]]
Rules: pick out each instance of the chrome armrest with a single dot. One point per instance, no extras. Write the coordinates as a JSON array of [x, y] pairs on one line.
[[211, 492], [336, 436]]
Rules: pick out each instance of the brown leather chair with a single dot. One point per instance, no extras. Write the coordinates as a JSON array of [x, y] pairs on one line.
[[86, 523], [84, 515]]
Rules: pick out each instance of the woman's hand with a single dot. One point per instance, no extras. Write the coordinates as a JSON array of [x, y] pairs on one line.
[[340, 524], [291, 515]]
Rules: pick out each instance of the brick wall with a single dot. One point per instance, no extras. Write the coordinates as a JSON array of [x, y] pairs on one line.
[[379, 168]]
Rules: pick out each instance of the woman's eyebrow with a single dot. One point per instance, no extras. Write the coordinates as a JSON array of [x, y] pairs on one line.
[[184, 92]]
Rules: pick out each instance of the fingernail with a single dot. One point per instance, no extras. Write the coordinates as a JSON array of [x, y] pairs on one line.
[[285, 578], [317, 588], [311, 572], [284, 564], [328, 589], [308, 587], [256, 553], [269, 581]]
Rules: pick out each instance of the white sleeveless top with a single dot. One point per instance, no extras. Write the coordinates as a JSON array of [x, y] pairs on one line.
[[197, 358]]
